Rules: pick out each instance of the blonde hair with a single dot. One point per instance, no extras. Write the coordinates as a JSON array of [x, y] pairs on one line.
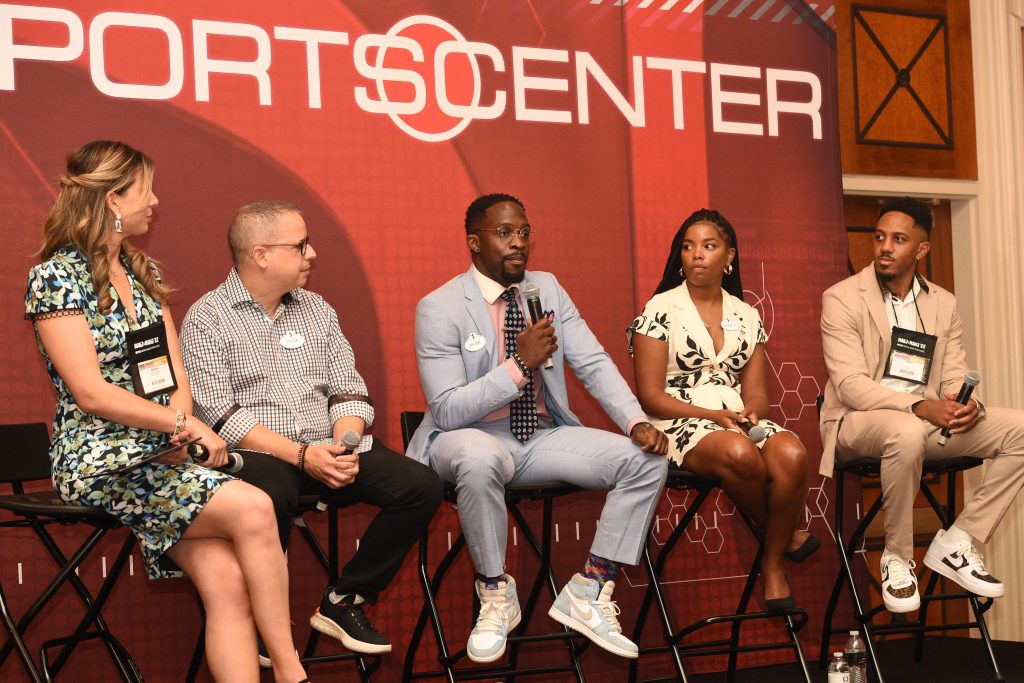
[[80, 216]]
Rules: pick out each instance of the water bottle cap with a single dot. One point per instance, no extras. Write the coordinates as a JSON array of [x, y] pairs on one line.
[[854, 633], [837, 654]]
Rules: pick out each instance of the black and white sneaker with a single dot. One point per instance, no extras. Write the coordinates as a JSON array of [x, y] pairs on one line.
[[347, 622], [899, 584], [960, 561]]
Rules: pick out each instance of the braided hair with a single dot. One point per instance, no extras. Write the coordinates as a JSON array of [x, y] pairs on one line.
[[673, 277]]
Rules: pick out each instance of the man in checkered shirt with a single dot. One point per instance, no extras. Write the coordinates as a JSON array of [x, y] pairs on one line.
[[271, 371]]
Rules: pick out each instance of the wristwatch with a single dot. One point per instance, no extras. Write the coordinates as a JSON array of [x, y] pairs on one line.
[[638, 425]]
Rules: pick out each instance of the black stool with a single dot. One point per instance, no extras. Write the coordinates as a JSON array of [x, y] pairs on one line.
[[514, 495], [794, 620], [328, 559], [867, 467], [24, 458]]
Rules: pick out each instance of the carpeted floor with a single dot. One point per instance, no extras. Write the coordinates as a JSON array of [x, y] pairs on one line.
[[945, 660]]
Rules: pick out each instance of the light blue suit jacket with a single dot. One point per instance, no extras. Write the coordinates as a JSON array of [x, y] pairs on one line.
[[463, 386]]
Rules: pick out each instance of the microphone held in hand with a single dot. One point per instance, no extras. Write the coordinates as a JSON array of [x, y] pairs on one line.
[[233, 465], [532, 294], [350, 441], [971, 380], [757, 433]]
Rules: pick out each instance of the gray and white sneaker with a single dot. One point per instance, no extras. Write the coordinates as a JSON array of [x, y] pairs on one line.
[[584, 607], [899, 584], [499, 614], [960, 561]]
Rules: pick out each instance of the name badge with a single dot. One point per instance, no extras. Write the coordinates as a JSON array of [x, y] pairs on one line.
[[475, 342], [150, 361], [910, 357]]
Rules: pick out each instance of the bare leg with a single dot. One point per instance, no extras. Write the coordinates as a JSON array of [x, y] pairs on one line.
[[744, 475], [244, 516], [786, 460], [230, 635]]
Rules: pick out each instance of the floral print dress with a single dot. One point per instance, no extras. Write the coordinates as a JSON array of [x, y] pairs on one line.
[[695, 373], [157, 501]]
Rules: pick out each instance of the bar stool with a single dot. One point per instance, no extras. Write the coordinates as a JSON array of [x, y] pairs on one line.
[[870, 468], [793, 620], [366, 665], [24, 458], [515, 494]]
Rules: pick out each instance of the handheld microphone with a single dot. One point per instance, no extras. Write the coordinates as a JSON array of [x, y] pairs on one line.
[[350, 442], [532, 294], [234, 463], [971, 380], [757, 433]]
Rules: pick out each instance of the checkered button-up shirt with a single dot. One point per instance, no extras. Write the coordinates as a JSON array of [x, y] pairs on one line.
[[242, 373]]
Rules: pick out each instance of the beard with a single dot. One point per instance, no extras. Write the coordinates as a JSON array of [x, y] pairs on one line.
[[515, 277], [885, 277]]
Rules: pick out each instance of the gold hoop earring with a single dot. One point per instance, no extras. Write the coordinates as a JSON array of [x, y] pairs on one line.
[[728, 269], [681, 274]]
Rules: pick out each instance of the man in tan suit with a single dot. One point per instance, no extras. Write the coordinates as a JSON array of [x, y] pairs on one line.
[[892, 405]]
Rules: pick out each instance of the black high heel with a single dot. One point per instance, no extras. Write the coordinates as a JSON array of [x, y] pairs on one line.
[[806, 549], [778, 605]]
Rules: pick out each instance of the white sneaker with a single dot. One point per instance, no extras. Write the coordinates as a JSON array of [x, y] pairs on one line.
[[899, 584], [583, 607], [960, 561], [499, 614]]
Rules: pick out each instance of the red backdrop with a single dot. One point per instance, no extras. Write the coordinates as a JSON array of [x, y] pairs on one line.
[[649, 110]]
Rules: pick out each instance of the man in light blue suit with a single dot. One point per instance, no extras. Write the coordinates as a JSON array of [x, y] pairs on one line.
[[499, 414]]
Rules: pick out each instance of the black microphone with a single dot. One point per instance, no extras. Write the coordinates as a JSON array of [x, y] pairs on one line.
[[532, 293], [234, 463], [350, 441], [971, 380], [757, 433]]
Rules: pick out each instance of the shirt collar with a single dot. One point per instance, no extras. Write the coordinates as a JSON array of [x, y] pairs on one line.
[[490, 289], [238, 294], [919, 284]]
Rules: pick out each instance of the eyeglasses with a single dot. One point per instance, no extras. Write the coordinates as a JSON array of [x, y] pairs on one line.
[[301, 246], [505, 233]]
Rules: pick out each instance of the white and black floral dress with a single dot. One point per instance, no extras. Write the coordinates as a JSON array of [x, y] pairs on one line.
[[695, 373], [157, 501]]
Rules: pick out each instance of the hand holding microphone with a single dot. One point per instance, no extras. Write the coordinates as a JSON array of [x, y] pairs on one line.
[[349, 442], [971, 380], [234, 464], [531, 292]]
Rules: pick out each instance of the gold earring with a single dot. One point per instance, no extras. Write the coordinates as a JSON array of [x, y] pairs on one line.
[[728, 269]]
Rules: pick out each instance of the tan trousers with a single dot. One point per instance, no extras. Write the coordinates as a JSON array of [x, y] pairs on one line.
[[902, 441]]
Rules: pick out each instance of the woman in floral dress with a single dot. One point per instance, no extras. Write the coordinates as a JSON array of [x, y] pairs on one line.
[[698, 356], [91, 292]]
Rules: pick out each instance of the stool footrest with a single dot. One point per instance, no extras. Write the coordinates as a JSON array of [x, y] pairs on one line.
[[800, 622], [716, 647]]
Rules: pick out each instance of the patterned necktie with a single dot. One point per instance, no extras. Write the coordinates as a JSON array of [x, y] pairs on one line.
[[523, 410]]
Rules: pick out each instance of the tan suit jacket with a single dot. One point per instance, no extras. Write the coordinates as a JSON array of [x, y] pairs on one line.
[[856, 337]]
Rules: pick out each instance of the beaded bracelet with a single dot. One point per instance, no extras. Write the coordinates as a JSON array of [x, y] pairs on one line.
[[179, 422], [522, 366], [302, 456]]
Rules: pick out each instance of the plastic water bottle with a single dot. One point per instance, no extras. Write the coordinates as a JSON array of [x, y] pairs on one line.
[[838, 671], [856, 658]]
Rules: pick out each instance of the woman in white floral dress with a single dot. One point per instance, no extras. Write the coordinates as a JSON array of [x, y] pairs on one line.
[[90, 291], [699, 362]]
